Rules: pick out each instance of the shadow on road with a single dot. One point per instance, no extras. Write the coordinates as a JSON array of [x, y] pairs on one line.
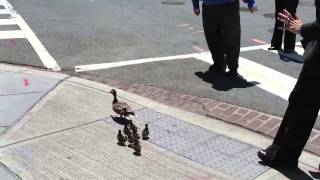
[[222, 83]]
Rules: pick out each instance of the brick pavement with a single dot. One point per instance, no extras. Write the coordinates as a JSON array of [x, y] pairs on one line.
[[254, 120]]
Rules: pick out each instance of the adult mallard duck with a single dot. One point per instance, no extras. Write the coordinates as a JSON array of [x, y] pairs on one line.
[[121, 108]]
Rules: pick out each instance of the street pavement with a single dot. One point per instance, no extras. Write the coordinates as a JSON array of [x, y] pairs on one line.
[[72, 35], [70, 133], [203, 126]]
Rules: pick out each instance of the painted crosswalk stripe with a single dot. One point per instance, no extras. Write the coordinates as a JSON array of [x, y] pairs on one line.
[[26, 32], [7, 22], [267, 79], [299, 50], [91, 67], [12, 34], [46, 58], [4, 11]]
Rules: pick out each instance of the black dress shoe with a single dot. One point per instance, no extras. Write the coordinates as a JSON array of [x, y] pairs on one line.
[[217, 68], [289, 51], [274, 48], [266, 155], [267, 158], [232, 73]]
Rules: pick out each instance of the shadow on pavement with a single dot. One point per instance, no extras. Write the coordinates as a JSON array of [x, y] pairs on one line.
[[294, 174], [315, 175], [221, 82], [120, 120]]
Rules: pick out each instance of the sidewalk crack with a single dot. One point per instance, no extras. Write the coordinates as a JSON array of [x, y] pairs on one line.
[[16, 94], [7, 169]]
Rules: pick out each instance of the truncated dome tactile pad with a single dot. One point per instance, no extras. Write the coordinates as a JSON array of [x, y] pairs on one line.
[[200, 145]]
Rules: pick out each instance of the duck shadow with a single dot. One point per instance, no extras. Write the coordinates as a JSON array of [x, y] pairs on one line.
[[221, 82], [121, 144], [136, 153], [119, 120], [287, 57]]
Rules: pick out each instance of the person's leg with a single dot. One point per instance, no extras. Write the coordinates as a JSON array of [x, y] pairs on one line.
[[297, 124], [304, 104], [290, 38], [213, 33], [276, 40], [232, 35]]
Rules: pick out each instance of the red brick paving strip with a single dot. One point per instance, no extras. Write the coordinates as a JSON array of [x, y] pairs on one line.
[[250, 119]]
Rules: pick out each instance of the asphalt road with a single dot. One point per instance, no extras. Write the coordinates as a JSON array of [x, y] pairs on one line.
[[82, 32]]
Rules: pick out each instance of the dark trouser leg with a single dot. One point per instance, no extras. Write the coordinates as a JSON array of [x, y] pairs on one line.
[[232, 33], [290, 38], [299, 119], [213, 34], [276, 40]]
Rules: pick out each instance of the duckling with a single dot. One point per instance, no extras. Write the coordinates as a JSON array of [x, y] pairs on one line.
[[137, 147], [126, 131], [130, 139], [133, 127], [121, 139], [121, 108], [145, 133], [136, 135]]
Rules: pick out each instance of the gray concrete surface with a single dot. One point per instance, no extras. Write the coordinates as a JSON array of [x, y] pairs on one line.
[[19, 92], [13, 107], [96, 31], [66, 136], [5, 175]]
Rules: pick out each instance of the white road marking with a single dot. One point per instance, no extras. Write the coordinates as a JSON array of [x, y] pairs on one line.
[[264, 47], [46, 58], [8, 7], [251, 48], [26, 32], [91, 67], [4, 11], [182, 25], [15, 34], [267, 79], [299, 50], [196, 32], [7, 22]]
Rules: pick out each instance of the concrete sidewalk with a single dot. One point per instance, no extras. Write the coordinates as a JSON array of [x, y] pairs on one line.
[[59, 127]]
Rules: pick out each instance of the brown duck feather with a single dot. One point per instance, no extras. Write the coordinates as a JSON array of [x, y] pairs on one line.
[[121, 108]]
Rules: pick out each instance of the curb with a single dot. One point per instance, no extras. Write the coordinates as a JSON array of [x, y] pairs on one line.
[[256, 121]]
